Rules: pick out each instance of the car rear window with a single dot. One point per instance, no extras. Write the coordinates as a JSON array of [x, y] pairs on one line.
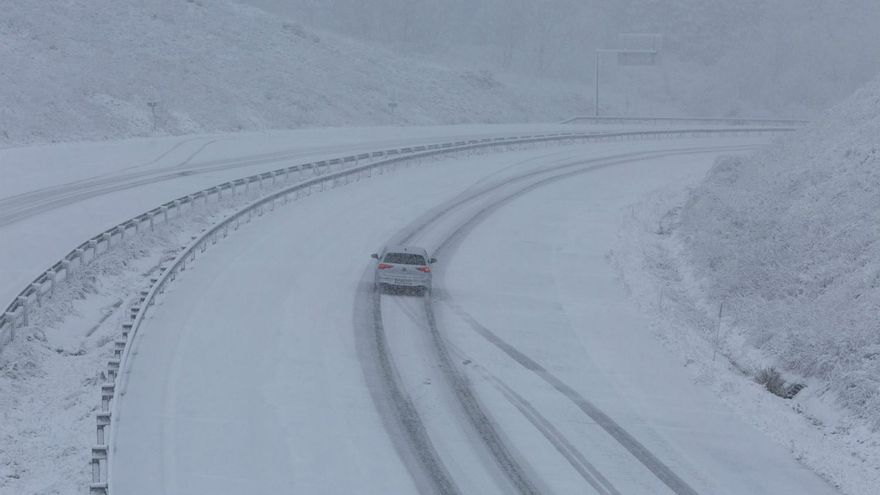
[[404, 259]]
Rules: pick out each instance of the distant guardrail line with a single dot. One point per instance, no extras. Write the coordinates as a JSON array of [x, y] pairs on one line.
[[736, 121]]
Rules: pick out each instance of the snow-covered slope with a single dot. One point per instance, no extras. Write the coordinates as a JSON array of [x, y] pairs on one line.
[[789, 241], [87, 69], [719, 57]]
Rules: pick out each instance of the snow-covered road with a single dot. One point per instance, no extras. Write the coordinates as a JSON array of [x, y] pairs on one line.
[[54, 197], [272, 366]]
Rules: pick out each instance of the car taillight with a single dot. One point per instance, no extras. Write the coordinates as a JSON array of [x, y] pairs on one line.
[[383, 266], [424, 269]]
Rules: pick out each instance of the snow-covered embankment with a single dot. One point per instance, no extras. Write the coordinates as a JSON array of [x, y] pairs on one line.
[[787, 242]]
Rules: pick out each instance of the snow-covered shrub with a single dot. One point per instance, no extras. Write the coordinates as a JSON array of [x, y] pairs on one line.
[[789, 239], [771, 380]]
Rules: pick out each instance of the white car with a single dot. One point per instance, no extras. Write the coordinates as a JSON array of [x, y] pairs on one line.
[[403, 267]]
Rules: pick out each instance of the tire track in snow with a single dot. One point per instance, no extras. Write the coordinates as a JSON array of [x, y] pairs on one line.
[[20, 207], [477, 416], [624, 438], [479, 419], [556, 438], [484, 425], [574, 457], [472, 193], [416, 450], [24, 205]]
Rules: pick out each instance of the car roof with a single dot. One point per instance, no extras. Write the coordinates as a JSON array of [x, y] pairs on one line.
[[406, 249]]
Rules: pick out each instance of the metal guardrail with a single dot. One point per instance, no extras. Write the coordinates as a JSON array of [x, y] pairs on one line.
[[734, 121], [348, 167], [33, 296]]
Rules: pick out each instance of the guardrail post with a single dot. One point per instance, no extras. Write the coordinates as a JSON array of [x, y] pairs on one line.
[[112, 369], [102, 419], [50, 275], [107, 392], [79, 253], [12, 317], [25, 305], [65, 265], [38, 293], [93, 245], [99, 456]]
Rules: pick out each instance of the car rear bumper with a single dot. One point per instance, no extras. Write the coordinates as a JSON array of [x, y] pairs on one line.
[[403, 281]]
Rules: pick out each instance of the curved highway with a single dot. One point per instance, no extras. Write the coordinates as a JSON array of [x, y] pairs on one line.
[[55, 200], [273, 365]]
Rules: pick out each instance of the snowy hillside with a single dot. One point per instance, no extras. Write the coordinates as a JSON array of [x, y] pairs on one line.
[[87, 69], [789, 241], [748, 57]]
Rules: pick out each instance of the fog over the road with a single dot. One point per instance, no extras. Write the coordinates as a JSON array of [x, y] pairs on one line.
[[720, 57]]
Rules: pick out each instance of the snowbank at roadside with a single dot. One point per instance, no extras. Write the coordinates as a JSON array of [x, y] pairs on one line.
[[833, 442], [784, 245], [51, 371], [789, 240]]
